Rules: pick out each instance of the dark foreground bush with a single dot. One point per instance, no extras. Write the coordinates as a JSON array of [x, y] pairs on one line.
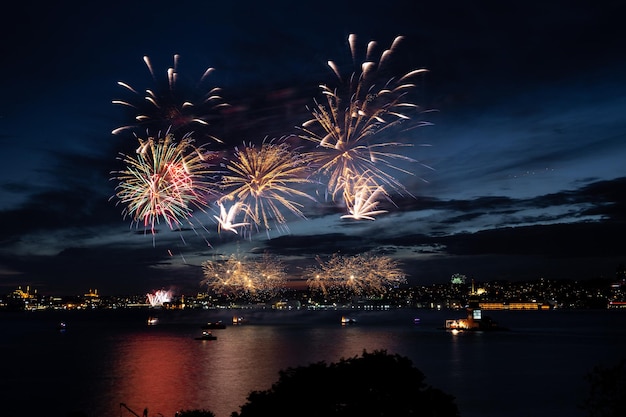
[[607, 391], [375, 384]]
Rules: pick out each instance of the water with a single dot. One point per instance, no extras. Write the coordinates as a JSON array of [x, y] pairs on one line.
[[105, 358]]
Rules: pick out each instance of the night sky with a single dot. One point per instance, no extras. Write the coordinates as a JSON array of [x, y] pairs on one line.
[[520, 175]]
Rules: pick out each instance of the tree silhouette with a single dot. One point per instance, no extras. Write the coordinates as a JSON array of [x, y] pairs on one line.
[[375, 384], [195, 413]]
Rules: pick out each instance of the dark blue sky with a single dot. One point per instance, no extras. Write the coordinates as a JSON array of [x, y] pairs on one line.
[[527, 144]]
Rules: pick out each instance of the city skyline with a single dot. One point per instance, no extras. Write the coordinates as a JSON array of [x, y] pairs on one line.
[[519, 146]]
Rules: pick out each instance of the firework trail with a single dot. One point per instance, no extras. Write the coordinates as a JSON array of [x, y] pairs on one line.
[[172, 104], [263, 179], [362, 274], [237, 275], [165, 180], [350, 130]]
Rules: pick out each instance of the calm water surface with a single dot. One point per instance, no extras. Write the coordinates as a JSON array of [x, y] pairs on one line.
[[105, 358]]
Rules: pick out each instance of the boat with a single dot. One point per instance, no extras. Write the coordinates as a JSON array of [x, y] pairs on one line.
[[206, 336], [475, 321], [62, 327], [347, 320], [152, 321], [214, 325], [238, 320]]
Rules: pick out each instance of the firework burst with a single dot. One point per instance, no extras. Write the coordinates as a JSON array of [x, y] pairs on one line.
[[172, 104], [227, 217], [263, 179], [237, 275], [362, 274], [361, 199], [158, 298], [164, 180], [351, 128]]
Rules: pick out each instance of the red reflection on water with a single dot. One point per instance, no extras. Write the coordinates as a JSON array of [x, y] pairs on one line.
[[156, 366]]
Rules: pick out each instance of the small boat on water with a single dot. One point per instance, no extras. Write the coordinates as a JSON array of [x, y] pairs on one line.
[[347, 320], [62, 327], [152, 321], [238, 320], [475, 321], [214, 325], [207, 336]]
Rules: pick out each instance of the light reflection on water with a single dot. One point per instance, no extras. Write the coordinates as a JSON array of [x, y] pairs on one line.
[[169, 370], [108, 358]]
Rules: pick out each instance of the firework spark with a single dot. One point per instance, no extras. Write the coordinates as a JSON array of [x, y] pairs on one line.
[[237, 275], [350, 129], [226, 218], [263, 179], [360, 274], [172, 103], [164, 179]]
